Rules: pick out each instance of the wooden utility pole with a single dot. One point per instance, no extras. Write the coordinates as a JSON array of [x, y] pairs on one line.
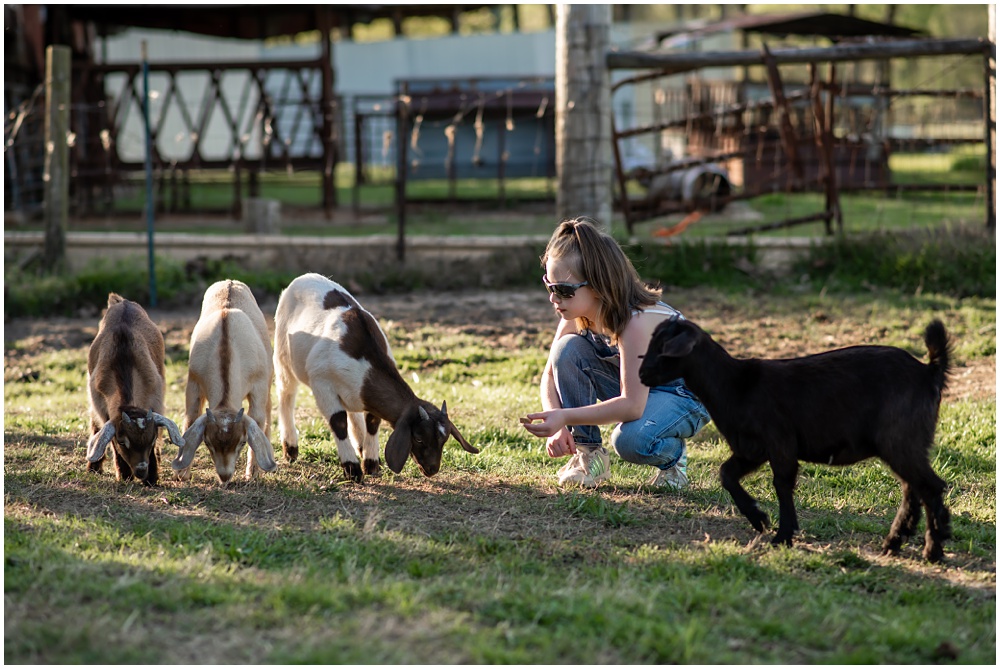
[[991, 123], [583, 113], [57, 77], [325, 23]]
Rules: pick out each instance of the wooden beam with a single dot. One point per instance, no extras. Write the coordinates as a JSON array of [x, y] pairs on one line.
[[990, 111], [58, 70], [325, 24], [676, 63], [785, 128]]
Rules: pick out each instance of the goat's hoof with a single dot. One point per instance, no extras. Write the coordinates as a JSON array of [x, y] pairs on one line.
[[372, 467], [291, 452], [353, 471], [780, 540], [933, 553], [891, 546]]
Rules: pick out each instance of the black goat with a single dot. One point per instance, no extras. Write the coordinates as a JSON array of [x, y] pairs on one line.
[[837, 408]]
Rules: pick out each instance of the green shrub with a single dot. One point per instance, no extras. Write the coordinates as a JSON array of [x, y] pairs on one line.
[[67, 294], [694, 263], [959, 262]]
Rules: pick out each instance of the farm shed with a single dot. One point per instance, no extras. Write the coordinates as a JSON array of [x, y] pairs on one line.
[[269, 114]]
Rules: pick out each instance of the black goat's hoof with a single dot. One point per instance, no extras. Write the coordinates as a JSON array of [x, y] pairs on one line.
[[760, 522], [353, 471], [291, 452], [933, 553], [780, 540], [372, 467]]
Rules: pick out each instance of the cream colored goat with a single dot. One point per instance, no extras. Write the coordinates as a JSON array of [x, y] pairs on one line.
[[230, 360]]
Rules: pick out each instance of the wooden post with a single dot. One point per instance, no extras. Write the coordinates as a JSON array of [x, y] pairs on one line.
[[150, 202], [402, 139], [785, 128], [583, 112], [325, 24], [824, 142], [57, 77], [991, 123]]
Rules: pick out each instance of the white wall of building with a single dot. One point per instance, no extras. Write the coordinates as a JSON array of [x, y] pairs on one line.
[[371, 68]]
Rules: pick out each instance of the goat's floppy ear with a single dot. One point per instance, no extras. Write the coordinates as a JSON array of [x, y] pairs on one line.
[[192, 440], [99, 442], [397, 448], [260, 444], [676, 340], [453, 431]]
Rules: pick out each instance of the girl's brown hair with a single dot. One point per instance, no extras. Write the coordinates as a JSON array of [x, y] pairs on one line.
[[596, 258]]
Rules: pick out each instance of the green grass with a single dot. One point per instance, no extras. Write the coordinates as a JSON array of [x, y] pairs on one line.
[[489, 562]]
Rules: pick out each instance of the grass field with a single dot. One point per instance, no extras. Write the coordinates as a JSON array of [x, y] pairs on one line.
[[489, 561]]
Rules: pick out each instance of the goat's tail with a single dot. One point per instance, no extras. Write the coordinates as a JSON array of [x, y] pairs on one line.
[[939, 351]]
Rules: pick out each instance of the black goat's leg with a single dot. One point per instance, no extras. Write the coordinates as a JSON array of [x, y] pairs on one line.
[[730, 474], [921, 483], [784, 474], [904, 525], [931, 490]]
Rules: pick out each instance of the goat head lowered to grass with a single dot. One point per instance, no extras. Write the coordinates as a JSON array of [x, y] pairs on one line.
[[837, 408], [326, 340], [125, 389], [230, 361]]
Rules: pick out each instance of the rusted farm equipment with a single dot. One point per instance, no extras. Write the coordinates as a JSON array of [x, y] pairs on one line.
[[822, 134]]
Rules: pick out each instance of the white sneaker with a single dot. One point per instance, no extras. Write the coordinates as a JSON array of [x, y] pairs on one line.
[[674, 478], [588, 467]]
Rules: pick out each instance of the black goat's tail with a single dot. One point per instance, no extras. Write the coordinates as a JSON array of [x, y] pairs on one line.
[[939, 351]]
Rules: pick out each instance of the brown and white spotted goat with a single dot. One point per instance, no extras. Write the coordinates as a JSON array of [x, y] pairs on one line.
[[125, 388], [326, 340], [230, 361]]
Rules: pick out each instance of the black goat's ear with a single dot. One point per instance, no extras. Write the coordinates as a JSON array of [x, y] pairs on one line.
[[677, 341]]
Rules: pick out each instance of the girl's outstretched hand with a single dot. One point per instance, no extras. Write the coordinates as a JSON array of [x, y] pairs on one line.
[[548, 424]]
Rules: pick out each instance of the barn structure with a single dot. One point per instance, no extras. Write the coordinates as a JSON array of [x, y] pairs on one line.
[[287, 115]]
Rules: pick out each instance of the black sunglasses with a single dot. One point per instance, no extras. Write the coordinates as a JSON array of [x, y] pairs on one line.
[[563, 291]]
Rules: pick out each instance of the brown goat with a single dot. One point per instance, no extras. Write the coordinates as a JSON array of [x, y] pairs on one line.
[[125, 387]]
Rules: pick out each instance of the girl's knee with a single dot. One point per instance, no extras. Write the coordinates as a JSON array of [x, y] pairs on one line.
[[637, 446], [570, 350], [630, 443]]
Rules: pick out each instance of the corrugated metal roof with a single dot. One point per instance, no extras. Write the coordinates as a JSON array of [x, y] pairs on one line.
[[248, 21]]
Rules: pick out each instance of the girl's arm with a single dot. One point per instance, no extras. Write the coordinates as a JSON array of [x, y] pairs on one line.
[[626, 407], [560, 442]]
